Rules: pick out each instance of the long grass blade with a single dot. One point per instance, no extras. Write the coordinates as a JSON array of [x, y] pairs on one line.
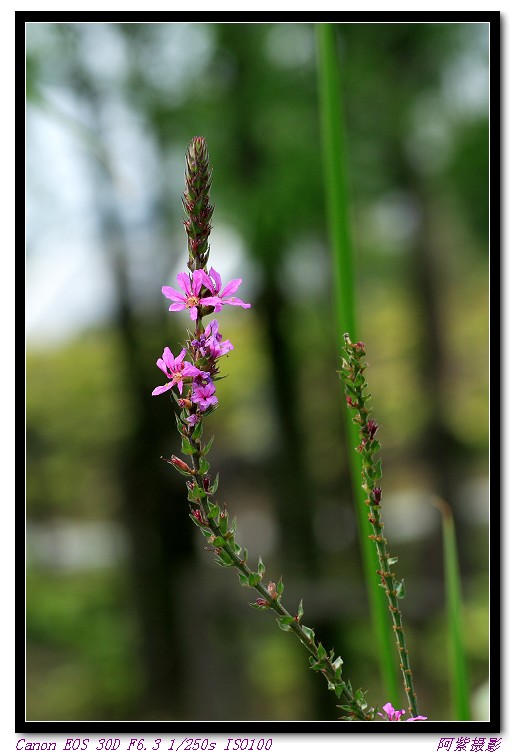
[[334, 154], [458, 673]]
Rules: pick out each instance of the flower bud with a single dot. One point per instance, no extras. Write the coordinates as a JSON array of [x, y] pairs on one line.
[[272, 591], [199, 516], [180, 465], [371, 428]]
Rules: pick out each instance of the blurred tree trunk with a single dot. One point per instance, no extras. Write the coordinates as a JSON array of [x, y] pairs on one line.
[[438, 448], [288, 470], [159, 530]]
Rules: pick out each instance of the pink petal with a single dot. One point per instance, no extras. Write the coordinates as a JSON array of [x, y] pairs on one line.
[[193, 313], [168, 357], [161, 389], [183, 279], [217, 279], [189, 370], [236, 302], [162, 366], [177, 306], [197, 281], [206, 280], [171, 293], [231, 287], [212, 301]]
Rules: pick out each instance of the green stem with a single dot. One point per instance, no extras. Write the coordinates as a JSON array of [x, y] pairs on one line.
[[207, 515], [357, 398], [334, 153], [458, 664], [328, 668]]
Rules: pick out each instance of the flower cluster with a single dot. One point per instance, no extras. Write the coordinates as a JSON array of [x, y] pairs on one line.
[[194, 289], [202, 293], [395, 715]]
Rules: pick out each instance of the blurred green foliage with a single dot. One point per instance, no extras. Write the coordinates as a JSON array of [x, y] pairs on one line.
[[154, 630]]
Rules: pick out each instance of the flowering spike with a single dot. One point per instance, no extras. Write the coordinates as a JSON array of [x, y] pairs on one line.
[[354, 381], [202, 293], [196, 203]]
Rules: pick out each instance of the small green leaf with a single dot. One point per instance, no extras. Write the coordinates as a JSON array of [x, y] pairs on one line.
[[321, 651], [187, 447], [280, 587], [203, 466], [213, 511], [226, 558], [310, 633], [391, 561], [400, 589], [206, 532], [300, 610], [261, 567], [244, 580], [214, 487], [197, 431], [368, 477], [254, 579], [219, 542], [207, 447], [337, 663], [223, 559], [285, 622], [196, 494], [223, 524], [338, 689], [259, 607]]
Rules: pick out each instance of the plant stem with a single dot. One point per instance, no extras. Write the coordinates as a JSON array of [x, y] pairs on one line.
[[355, 386], [205, 512], [224, 540]]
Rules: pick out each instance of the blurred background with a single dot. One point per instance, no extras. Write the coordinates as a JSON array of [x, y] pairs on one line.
[[127, 616]]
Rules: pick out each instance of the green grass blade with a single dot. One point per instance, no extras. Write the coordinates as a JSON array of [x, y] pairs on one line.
[[458, 674], [334, 154]]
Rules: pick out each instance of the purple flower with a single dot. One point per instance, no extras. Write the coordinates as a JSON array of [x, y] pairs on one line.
[[190, 297], [214, 346], [395, 715], [391, 713], [176, 369], [204, 395], [221, 295]]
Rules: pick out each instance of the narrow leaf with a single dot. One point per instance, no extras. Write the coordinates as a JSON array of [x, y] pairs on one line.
[[254, 579], [187, 447]]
